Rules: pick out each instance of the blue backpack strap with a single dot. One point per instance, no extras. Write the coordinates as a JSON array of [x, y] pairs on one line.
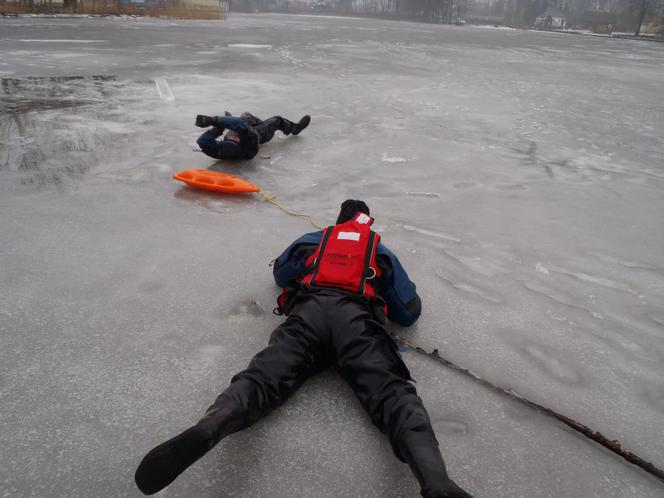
[[287, 266]]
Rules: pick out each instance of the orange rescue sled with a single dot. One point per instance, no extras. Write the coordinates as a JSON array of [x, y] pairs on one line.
[[215, 181]]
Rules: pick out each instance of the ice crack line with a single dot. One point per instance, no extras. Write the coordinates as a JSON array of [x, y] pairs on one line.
[[612, 444]]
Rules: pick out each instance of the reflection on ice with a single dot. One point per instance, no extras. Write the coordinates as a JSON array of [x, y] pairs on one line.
[[44, 141]]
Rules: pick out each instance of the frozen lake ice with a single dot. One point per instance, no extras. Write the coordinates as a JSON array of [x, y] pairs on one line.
[[517, 174]]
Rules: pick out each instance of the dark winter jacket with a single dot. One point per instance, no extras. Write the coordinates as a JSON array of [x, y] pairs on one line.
[[394, 286], [245, 148]]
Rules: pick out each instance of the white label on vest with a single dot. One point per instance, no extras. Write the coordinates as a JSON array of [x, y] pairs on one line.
[[363, 219], [348, 236]]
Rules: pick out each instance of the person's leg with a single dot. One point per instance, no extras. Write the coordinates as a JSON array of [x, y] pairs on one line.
[[267, 128], [295, 352], [251, 119], [273, 375], [367, 358]]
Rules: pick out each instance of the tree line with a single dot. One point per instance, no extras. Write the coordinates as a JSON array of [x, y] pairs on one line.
[[623, 15]]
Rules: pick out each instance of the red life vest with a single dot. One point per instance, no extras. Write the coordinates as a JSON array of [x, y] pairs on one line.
[[345, 258]]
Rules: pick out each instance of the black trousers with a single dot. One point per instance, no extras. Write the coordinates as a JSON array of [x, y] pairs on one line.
[[267, 128], [324, 328]]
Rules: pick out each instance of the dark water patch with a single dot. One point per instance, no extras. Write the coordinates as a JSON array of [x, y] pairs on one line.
[[451, 425], [530, 157], [550, 361], [40, 80], [464, 185], [150, 286], [35, 93], [20, 106], [659, 319], [56, 79], [54, 129], [250, 307], [511, 186], [57, 88]]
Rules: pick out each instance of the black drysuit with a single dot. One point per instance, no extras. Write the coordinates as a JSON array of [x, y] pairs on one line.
[[324, 327], [328, 327]]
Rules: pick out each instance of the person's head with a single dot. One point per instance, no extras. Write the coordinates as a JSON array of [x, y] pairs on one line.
[[350, 208]]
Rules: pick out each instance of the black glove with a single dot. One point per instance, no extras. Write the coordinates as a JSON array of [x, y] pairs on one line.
[[204, 121]]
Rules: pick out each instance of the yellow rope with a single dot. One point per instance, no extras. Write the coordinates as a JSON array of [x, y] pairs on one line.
[[271, 198]]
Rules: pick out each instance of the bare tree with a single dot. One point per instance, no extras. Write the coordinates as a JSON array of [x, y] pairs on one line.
[[642, 5]]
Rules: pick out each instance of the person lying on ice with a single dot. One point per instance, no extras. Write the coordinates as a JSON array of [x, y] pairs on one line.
[[339, 286], [245, 134]]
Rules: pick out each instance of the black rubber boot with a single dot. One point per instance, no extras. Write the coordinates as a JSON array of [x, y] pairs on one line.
[[420, 449], [163, 464], [301, 124]]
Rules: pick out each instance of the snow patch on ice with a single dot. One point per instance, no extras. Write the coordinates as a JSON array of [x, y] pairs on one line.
[[164, 89], [554, 295], [247, 45], [482, 26], [388, 159], [605, 282], [471, 289], [422, 231], [423, 194], [627, 263], [482, 266]]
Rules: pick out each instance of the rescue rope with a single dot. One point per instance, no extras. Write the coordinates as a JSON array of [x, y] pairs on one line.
[[271, 198], [613, 445]]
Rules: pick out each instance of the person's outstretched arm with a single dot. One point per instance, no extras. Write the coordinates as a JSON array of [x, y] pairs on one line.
[[404, 305], [209, 144]]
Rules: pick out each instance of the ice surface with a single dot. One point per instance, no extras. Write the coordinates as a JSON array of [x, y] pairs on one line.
[[517, 174]]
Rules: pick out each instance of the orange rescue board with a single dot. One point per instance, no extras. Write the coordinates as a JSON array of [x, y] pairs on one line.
[[215, 181]]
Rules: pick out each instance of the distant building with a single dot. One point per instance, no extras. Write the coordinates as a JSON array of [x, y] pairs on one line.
[[203, 4], [551, 19], [151, 4]]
